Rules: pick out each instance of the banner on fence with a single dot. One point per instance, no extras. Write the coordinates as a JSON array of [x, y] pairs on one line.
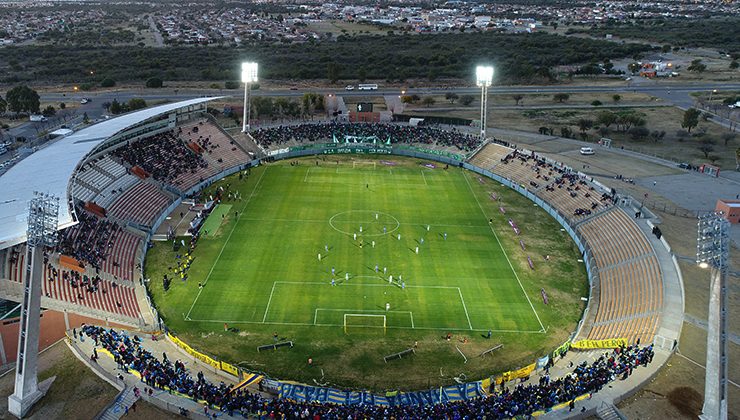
[[561, 350], [228, 368], [515, 374], [611, 343]]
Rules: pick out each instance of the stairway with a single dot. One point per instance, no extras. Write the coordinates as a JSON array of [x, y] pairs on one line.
[[608, 411], [118, 408]]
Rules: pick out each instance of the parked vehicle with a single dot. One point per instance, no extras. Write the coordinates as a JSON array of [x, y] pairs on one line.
[[37, 118], [587, 151], [367, 86], [350, 87]]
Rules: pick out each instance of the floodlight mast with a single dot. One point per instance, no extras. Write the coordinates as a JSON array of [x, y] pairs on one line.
[[483, 78], [43, 217], [712, 251], [249, 75]]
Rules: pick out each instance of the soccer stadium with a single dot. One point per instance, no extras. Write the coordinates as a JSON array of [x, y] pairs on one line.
[[336, 269]]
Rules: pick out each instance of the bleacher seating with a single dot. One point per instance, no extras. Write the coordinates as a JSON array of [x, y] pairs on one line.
[[630, 279], [121, 259], [89, 291], [16, 257], [140, 204], [114, 190]]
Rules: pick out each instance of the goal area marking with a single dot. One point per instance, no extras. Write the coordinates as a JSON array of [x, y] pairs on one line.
[[368, 316]]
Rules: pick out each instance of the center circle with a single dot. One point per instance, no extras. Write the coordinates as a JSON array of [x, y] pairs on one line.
[[371, 222]]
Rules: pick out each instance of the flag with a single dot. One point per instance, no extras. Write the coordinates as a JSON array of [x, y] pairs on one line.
[[389, 141], [334, 138]]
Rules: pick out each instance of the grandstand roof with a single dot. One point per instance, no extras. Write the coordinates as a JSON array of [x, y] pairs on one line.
[[50, 169]]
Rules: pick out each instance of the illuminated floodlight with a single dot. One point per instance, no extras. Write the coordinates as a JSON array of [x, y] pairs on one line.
[[484, 76], [249, 72]]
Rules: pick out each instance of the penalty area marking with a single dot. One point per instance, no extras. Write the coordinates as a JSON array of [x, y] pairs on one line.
[[504, 251]]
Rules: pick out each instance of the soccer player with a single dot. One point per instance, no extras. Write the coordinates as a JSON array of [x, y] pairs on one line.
[[326, 248], [332, 282], [360, 228], [376, 216], [376, 268], [421, 240], [319, 256], [417, 249], [390, 279], [354, 236], [387, 307], [445, 235], [346, 276], [373, 244], [384, 230], [403, 285], [385, 270], [428, 227], [399, 236], [332, 271]]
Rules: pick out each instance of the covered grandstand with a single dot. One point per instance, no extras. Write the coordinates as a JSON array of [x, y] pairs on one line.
[[120, 178]]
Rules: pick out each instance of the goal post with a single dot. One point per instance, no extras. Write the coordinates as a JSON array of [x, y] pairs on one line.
[[364, 321], [364, 165]]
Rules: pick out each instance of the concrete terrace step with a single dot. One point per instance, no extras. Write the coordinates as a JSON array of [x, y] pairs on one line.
[[118, 409]]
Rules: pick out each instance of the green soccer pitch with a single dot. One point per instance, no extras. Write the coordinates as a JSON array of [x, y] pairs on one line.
[[353, 258]]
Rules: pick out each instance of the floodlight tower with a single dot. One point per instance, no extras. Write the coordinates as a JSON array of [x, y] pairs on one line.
[[43, 215], [249, 75], [712, 251], [483, 78]]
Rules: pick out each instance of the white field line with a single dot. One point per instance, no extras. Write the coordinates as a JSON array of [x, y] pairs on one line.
[[354, 312], [215, 263], [504, 251], [305, 178], [465, 308], [308, 324], [425, 178], [268, 302], [364, 284], [260, 219]]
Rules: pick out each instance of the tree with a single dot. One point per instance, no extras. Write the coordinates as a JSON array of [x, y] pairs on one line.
[[690, 119], [706, 147], [428, 101], [518, 97], [566, 132], [596, 102], [115, 107], [584, 124], [23, 99], [154, 82], [451, 96], [62, 105], [407, 99], [606, 118], [616, 98], [332, 72], [633, 67], [734, 64], [657, 135], [560, 97], [728, 137], [696, 66], [466, 100], [666, 48], [108, 82], [3, 105], [136, 103], [639, 133], [49, 111], [231, 84]]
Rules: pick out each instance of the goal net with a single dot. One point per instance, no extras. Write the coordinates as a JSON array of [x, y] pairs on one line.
[[352, 321], [363, 165]]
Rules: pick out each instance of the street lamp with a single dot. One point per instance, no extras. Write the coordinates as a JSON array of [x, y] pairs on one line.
[[713, 251], [249, 75], [483, 78], [710, 95]]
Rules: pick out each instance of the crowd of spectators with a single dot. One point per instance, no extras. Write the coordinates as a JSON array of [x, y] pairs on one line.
[[90, 240], [164, 156], [326, 132], [558, 178], [522, 399]]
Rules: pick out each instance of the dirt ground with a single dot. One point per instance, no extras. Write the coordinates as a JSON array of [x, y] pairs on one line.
[[77, 393]]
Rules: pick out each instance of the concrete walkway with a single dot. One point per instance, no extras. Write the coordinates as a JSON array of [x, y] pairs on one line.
[[107, 369]]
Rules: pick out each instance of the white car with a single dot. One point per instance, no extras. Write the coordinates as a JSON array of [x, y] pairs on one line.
[[350, 87], [587, 151], [84, 101]]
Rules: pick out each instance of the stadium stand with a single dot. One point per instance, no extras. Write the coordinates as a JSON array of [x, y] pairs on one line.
[[90, 291], [630, 278], [140, 204]]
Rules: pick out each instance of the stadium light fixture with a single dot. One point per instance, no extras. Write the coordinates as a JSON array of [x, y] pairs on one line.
[[713, 251], [249, 75], [483, 78]]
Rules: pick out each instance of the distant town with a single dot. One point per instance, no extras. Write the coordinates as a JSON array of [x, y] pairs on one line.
[[159, 24]]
